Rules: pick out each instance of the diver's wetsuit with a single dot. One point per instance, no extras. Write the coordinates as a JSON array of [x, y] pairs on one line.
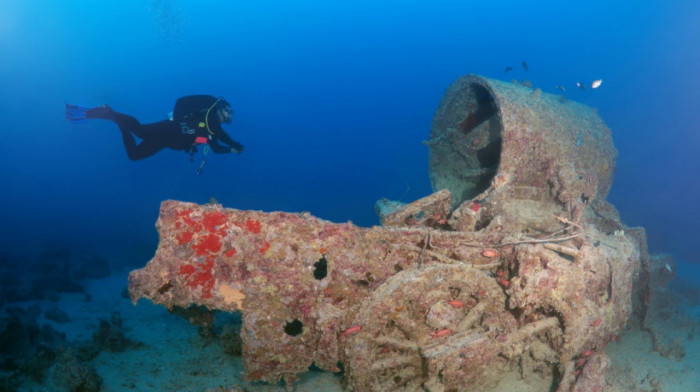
[[163, 134]]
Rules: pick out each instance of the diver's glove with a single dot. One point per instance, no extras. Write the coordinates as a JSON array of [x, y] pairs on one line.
[[237, 148]]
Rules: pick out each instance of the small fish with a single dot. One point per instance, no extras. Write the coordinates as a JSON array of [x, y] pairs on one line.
[[596, 83], [351, 331], [578, 140], [508, 69], [581, 85], [562, 88], [524, 65]]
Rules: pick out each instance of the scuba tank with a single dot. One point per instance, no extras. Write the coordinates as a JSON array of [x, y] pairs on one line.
[[192, 113]]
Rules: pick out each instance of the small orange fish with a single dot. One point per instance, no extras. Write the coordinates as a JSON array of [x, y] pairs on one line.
[[490, 253], [351, 331], [456, 304], [596, 323]]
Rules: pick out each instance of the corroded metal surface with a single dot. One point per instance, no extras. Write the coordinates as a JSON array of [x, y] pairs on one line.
[[533, 274], [485, 128]]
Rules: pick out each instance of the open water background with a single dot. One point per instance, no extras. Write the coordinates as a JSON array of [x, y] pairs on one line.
[[332, 101]]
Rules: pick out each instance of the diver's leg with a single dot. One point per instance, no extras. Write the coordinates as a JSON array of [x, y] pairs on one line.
[[129, 124], [139, 151], [125, 122], [155, 136]]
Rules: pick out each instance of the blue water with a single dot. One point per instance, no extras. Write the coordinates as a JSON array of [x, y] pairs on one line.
[[331, 101]]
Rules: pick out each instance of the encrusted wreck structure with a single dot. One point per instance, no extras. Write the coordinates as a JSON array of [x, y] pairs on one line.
[[516, 267]]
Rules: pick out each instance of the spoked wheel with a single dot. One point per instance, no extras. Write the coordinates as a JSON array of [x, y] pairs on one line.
[[426, 321]]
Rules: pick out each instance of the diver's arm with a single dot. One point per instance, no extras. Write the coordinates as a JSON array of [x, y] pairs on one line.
[[219, 149], [225, 138]]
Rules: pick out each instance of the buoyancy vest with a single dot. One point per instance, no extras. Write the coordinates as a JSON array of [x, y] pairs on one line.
[[192, 112]]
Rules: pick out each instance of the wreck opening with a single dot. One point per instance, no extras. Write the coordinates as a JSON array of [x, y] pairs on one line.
[[466, 142], [294, 328]]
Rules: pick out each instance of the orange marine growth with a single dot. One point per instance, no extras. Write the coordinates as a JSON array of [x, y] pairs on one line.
[[200, 276], [351, 331], [253, 226]]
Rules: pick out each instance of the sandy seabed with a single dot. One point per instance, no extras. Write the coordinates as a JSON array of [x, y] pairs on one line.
[[173, 356]]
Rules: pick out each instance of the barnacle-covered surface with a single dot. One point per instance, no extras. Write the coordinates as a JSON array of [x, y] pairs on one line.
[[517, 265]]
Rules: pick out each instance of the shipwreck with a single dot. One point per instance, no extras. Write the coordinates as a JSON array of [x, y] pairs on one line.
[[516, 266]]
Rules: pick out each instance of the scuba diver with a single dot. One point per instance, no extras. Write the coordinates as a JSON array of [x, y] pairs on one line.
[[196, 120]]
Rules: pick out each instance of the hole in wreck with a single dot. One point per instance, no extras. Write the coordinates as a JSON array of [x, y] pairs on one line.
[[466, 144], [294, 328], [321, 268]]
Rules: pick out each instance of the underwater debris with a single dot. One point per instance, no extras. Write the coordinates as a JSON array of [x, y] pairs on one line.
[[454, 289]]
